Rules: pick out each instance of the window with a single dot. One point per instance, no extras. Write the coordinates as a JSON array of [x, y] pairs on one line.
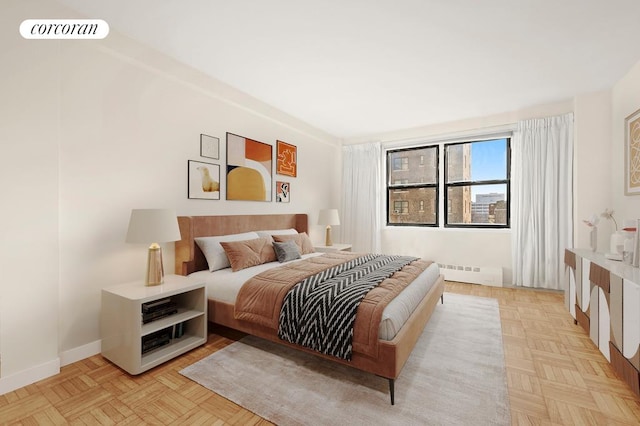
[[412, 186], [477, 183], [401, 163], [400, 207], [475, 189]]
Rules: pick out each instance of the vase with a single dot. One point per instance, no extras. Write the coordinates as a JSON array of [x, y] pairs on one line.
[[593, 238], [616, 243]]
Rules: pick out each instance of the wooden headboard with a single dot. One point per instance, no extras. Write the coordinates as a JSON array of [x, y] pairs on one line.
[[189, 257]]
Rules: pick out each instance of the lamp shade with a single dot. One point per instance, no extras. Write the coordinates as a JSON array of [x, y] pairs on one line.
[[328, 217], [153, 226]]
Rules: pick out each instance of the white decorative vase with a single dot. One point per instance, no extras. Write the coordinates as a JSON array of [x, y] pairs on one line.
[[593, 238], [616, 243]]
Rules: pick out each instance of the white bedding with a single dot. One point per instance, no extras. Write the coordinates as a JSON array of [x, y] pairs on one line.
[[223, 285]]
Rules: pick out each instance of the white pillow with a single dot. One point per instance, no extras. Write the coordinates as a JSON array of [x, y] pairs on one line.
[[213, 251], [271, 232]]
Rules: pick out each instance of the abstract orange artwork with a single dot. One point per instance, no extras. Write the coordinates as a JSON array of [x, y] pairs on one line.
[[248, 169], [287, 160]]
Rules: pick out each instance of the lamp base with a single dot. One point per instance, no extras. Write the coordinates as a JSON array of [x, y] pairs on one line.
[[328, 241], [155, 269]]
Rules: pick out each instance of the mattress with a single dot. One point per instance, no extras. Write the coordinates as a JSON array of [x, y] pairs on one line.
[[223, 286]]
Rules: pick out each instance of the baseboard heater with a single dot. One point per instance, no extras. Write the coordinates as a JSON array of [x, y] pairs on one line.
[[472, 274]]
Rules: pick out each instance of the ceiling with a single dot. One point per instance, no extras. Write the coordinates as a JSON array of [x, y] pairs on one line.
[[362, 67]]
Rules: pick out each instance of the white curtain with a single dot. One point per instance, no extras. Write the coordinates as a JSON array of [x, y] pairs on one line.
[[361, 196], [542, 200]]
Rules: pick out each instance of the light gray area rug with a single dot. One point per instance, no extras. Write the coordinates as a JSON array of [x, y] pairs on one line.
[[455, 376]]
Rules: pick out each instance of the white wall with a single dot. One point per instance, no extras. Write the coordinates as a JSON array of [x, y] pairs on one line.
[[592, 166], [625, 101], [90, 130], [29, 253]]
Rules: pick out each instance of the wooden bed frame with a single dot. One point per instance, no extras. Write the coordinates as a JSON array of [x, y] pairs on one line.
[[392, 354]]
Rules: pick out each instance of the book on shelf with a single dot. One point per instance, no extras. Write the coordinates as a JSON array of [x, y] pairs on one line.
[[156, 340], [178, 330], [156, 304], [156, 314]]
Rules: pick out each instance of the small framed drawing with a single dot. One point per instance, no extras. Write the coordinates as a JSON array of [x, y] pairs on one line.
[[203, 180], [209, 147], [283, 192], [287, 163], [632, 154]]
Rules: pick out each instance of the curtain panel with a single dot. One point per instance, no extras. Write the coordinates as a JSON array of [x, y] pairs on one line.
[[361, 174], [542, 200]]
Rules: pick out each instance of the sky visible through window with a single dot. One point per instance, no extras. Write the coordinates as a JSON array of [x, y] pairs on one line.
[[488, 161]]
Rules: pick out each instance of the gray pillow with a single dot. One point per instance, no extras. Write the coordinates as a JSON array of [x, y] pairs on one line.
[[286, 251]]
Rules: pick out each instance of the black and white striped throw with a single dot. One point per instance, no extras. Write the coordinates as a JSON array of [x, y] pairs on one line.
[[319, 312]]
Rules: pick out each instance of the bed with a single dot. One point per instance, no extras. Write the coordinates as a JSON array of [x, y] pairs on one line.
[[396, 339]]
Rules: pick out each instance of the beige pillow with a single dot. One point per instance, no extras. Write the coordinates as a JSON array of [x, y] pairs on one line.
[[213, 251], [243, 254], [302, 241], [270, 232]]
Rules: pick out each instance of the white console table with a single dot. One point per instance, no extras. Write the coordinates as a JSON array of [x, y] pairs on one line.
[[603, 296]]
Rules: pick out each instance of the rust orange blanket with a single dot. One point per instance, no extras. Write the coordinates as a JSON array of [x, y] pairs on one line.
[[260, 299]]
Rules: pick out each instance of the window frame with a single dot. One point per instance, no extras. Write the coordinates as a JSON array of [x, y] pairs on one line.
[[391, 186], [471, 183]]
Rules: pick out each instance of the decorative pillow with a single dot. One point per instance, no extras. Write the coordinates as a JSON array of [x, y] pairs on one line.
[[301, 239], [271, 232], [286, 251], [213, 251], [243, 254]]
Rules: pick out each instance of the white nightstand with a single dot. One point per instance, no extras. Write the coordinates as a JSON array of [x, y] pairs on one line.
[[334, 247], [139, 327]]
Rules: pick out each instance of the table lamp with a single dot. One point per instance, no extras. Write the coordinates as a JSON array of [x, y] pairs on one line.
[[328, 217], [153, 226]]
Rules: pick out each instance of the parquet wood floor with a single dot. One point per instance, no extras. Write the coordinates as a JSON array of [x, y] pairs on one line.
[[555, 375]]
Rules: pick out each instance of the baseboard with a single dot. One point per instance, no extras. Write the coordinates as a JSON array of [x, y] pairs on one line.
[[80, 353], [29, 376], [48, 369]]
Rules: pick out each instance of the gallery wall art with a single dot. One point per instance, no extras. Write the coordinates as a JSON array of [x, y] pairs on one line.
[[287, 159], [249, 169], [283, 192], [632, 154], [209, 146], [203, 180]]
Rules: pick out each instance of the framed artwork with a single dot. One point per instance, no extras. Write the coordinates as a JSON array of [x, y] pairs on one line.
[[249, 169], [283, 192], [203, 180], [209, 146], [632, 154], [287, 162]]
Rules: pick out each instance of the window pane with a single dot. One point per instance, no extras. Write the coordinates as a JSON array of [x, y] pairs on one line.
[[477, 204], [412, 205], [413, 166], [477, 161]]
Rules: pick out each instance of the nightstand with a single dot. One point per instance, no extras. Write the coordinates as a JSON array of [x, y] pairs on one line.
[[334, 247], [144, 326]]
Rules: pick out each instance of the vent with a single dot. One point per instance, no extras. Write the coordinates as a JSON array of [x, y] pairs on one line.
[[472, 274]]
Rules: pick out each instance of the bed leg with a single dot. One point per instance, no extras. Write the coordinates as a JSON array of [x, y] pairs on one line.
[[442, 298], [391, 390]]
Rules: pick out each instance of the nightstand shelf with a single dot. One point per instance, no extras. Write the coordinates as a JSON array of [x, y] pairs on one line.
[[165, 353], [136, 346]]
